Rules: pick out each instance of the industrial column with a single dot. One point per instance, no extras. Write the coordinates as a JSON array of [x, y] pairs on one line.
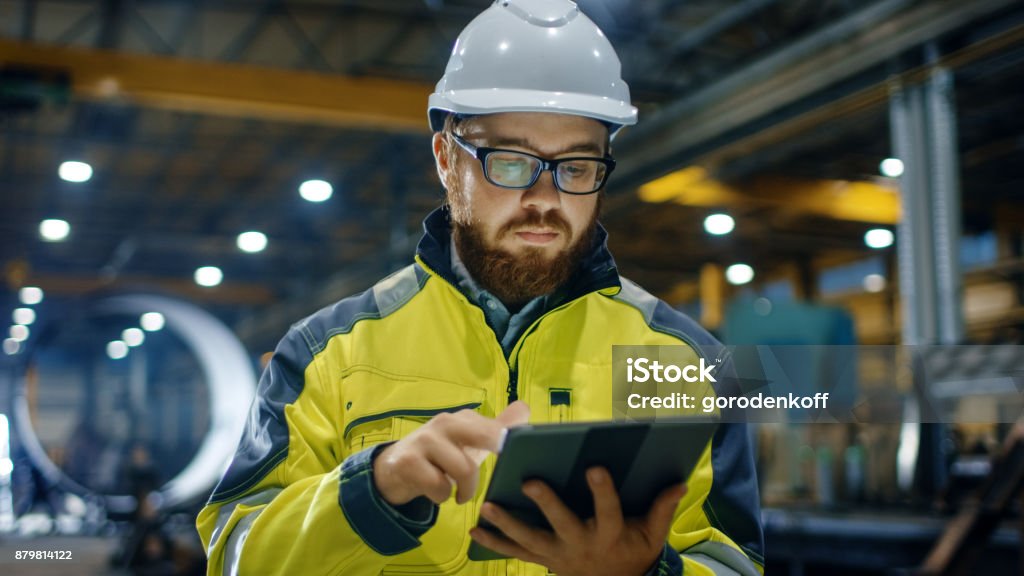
[[923, 121]]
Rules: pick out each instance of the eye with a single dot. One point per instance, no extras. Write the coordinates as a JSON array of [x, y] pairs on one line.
[[578, 168], [510, 169]]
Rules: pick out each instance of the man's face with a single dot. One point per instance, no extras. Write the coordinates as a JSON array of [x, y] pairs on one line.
[[520, 243]]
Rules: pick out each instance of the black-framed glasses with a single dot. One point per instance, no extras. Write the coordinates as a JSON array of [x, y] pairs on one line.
[[519, 170]]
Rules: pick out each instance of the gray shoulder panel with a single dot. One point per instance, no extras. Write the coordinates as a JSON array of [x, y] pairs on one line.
[[638, 298], [384, 298], [663, 318], [722, 559], [394, 291]]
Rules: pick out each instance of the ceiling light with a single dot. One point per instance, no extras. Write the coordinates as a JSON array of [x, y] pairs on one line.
[[719, 224], [19, 332], [316, 190], [874, 282], [11, 346], [117, 350], [30, 295], [54, 230], [208, 276], [133, 336], [252, 241], [739, 274], [878, 238], [152, 321], [24, 316], [891, 167], [75, 171]]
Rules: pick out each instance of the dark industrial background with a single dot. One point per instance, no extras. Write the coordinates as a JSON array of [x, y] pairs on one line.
[[202, 119]]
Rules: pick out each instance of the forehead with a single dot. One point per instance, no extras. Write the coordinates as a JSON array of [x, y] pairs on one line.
[[541, 131]]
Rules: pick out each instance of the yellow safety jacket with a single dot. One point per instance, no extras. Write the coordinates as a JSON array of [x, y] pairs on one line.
[[298, 497]]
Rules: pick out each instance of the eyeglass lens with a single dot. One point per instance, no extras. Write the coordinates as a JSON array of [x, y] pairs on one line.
[[519, 170]]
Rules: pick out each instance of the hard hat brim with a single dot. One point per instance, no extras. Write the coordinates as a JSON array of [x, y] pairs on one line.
[[492, 101]]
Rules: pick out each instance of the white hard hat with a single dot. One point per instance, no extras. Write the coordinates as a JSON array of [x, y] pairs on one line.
[[533, 56]]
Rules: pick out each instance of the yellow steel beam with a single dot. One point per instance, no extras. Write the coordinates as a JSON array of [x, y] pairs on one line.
[[857, 201], [713, 294], [836, 199], [691, 186], [231, 89]]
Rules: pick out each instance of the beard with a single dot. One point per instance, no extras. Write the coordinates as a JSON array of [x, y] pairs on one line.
[[517, 278]]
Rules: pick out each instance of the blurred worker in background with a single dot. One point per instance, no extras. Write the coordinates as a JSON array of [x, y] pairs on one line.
[[145, 546], [360, 454]]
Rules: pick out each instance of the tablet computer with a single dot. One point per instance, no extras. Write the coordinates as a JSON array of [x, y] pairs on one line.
[[643, 458]]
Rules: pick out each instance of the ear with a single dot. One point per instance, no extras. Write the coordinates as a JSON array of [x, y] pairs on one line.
[[441, 160]]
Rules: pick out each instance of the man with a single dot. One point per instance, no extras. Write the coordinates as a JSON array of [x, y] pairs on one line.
[[364, 450]]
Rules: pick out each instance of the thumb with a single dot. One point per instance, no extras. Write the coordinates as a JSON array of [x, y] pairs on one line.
[[516, 414]]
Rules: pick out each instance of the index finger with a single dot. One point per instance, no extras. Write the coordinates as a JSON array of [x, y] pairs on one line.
[[469, 429]]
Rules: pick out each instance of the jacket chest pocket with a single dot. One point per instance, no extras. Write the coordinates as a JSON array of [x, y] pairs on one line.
[[381, 406], [388, 427], [366, 434], [567, 391]]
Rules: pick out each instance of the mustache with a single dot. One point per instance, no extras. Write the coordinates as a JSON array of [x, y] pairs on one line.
[[532, 219]]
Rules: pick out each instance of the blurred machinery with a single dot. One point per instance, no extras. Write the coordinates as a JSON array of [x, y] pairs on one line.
[[125, 410]]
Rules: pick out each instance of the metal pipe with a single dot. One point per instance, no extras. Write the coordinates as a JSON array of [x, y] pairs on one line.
[[945, 178], [915, 257]]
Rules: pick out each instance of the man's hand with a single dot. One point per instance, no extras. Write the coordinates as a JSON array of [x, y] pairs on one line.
[[443, 451], [604, 544]]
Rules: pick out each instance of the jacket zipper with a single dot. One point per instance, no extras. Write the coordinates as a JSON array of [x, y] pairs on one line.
[[513, 357], [513, 385]]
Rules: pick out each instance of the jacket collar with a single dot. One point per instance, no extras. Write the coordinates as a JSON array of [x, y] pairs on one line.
[[596, 272]]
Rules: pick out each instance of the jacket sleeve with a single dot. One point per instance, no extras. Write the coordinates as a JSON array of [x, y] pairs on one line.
[[717, 530], [288, 503], [709, 550]]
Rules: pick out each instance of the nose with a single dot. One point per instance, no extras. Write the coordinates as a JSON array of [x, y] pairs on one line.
[[543, 195]]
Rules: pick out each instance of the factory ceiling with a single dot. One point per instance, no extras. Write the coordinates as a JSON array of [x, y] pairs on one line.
[[202, 119]]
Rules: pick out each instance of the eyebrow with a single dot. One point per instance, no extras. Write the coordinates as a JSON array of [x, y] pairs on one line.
[[522, 143]]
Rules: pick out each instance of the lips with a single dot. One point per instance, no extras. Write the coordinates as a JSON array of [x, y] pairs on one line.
[[537, 236]]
